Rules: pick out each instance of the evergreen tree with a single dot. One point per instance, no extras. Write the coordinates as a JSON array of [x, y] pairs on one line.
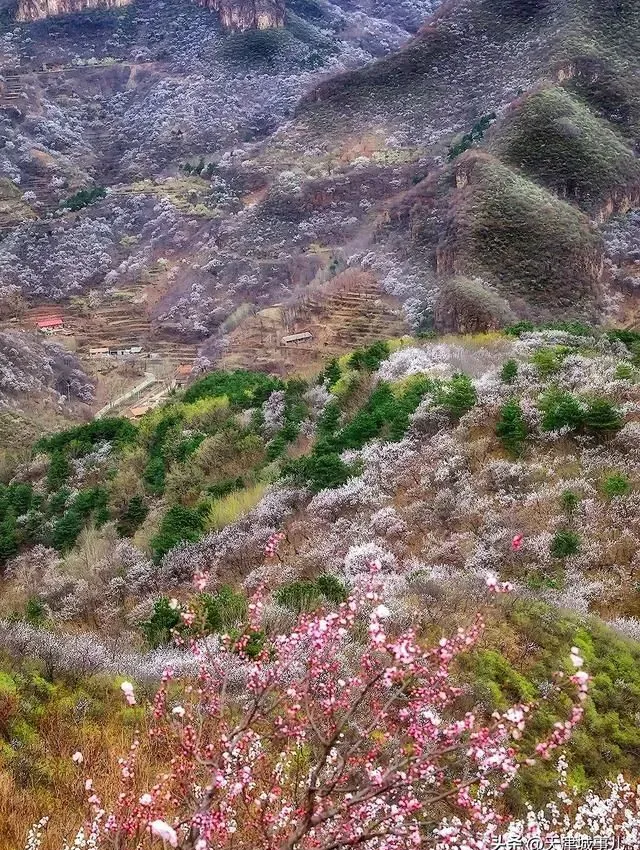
[[512, 428], [509, 372], [602, 417], [67, 529], [459, 396], [8, 538], [561, 410], [157, 629], [58, 470]]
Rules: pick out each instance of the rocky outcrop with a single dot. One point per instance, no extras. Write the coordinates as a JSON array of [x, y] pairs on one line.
[[240, 15], [35, 10]]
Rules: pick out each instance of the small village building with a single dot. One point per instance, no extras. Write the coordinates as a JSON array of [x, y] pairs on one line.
[[182, 375], [294, 339], [98, 352], [139, 412], [50, 324]]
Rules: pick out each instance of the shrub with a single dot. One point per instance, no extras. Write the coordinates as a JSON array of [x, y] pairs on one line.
[[369, 358], [158, 628], [301, 596], [243, 389], [321, 470], [119, 432], [236, 504], [512, 427], [133, 516], [58, 471], [564, 544], [178, 524], [561, 410], [83, 198], [224, 610], [459, 396], [509, 372], [548, 360], [617, 484], [625, 372], [602, 416], [331, 373], [569, 501]]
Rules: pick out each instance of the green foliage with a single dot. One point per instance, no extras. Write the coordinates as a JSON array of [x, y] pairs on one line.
[[509, 372], [328, 420], [302, 596], [83, 198], [178, 524], [154, 475], [595, 415], [331, 374], [561, 410], [66, 530], [475, 135], [223, 488], [369, 359], [132, 517], [602, 416], [8, 538], [35, 612], [520, 328], [625, 372], [515, 225], [321, 470], [58, 470], [556, 138], [564, 544], [512, 427], [224, 610], [119, 432], [158, 628], [243, 389], [569, 501], [617, 484], [458, 396], [548, 360]]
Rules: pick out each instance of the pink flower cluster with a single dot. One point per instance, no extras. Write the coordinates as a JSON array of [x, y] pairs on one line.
[[273, 544], [344, 737]]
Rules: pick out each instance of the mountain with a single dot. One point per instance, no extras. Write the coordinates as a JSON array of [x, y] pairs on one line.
[[346, 294], [491, 146]]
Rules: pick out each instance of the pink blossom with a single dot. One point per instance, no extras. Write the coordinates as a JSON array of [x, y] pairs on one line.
[[516, 543]]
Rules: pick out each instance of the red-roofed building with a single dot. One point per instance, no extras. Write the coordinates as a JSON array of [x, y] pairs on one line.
[[50, 324]]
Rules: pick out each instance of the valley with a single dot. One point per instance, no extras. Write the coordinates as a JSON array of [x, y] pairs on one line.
[[319, 424]]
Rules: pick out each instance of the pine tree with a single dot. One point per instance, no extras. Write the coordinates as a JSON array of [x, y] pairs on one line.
[[460, 396], [602, 416], [512, 428], [509, 372]]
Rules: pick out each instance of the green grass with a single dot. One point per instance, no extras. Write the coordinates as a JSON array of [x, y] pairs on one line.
[[557, 140], [533, 245]]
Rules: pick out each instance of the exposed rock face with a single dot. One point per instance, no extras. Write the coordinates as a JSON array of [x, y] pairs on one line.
[[243, 15], [35, 10]]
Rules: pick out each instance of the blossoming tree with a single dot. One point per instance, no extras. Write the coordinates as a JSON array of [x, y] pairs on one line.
[[340, 735]]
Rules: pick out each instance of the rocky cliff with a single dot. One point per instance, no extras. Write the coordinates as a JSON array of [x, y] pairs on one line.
[[234, 14], [248, 14], [34, 10]]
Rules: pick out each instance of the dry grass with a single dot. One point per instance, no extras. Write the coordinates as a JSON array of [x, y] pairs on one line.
[[234, 506]]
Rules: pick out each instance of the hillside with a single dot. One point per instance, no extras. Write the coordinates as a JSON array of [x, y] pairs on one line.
[[428, 456], [511, 147], [319, 496]]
